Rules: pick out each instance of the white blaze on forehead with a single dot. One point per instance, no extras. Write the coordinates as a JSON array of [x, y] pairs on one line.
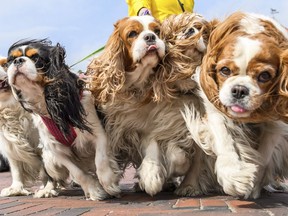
[[245, 50], [144, 20], [277, 25], [251, 24]]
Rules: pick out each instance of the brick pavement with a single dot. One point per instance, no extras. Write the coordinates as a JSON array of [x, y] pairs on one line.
[[71, 203]]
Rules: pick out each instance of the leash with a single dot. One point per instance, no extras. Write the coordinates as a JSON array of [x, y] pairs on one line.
[[88, 56], [181, 5]]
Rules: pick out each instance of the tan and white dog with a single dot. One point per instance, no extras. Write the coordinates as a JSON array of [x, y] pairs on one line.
[[241, 81], [186, 36], [19, 142], [120, 82]]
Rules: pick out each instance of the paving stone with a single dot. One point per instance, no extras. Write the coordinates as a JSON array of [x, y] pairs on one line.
[[187, 203], [72, 202], [214, 205]]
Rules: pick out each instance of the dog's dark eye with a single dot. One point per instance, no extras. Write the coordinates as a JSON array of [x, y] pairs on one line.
[[132, 34], [35, 57], [225, 71], [190, 32], [10, 59], [157, 31], [263, 77]]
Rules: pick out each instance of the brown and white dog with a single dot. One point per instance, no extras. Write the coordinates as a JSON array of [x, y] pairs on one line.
[[19, 141], [241, 80], [74, 141], [120, 82], [186, 37]]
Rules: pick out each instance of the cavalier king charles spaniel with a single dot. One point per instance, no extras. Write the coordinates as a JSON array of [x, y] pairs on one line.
[[120, 81], [186, 37], [19, 141], [242, 83], [74, 142]]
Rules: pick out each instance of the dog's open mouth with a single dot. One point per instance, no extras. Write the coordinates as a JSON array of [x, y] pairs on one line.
[[4, 84]]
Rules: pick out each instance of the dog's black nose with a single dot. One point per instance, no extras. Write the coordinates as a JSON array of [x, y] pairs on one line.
[[150, 38], [239, 91], [18, 61]]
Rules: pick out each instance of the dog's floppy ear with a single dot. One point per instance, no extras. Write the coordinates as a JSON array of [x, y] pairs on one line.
[[282, 103], [3, 62], [62, 94], [108, 70], [207, 78], [284, 74], [207, 75]]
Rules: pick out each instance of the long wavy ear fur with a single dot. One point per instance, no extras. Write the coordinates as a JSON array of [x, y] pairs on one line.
[[3, 62], [62, 94], [284, 74], [282, 105], [108, 70]]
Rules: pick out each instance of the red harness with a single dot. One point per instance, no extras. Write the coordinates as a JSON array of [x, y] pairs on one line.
[[55, 131]]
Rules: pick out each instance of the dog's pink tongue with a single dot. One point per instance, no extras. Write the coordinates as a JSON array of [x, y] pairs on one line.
[[152, 47], [238, 109]]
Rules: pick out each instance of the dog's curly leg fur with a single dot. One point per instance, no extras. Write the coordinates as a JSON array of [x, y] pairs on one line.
[[90, 185], [274, 135], [107, 169], [234, 174]]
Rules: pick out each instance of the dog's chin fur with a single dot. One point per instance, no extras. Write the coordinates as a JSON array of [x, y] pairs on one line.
[[247, 150], [60, 95]]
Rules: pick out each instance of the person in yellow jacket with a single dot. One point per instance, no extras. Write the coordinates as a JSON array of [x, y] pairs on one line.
[[160, 9]]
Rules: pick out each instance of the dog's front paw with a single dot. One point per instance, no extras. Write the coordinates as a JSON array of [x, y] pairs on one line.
[[188, 191], [93, 190], [109, 178], [43, 193], [152, 176], [15, 191], [235, 176]]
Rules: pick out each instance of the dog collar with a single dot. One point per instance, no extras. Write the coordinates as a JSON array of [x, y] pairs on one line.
[[59, 136]]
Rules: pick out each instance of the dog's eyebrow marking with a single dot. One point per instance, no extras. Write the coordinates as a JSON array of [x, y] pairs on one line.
[[3, 61], [31, 52], [16, 53]]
